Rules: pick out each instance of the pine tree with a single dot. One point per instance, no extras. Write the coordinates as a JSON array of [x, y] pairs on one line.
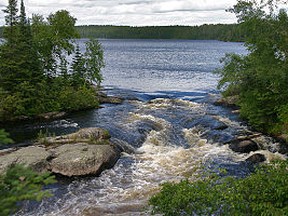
[[18, 58], [78, 68], [30, 58], [11, 20]]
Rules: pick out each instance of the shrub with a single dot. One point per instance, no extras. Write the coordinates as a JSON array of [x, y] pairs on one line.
[[19, 184], [264, 192], [4, 139], [72, 99]]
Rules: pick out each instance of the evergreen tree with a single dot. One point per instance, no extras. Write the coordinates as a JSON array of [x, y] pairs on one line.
[[19, 60], [64, 68], [11, 20], [78, 68]]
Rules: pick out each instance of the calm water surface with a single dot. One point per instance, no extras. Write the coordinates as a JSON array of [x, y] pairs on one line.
[[167, 118], [164, 65]]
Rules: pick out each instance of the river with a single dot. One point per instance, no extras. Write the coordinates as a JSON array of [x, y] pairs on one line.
[[167, 118]]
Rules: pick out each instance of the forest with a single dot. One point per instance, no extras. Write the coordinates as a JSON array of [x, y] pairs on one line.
[[223, 32]]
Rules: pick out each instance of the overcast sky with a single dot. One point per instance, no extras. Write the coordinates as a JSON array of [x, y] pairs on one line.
[[135, 12]]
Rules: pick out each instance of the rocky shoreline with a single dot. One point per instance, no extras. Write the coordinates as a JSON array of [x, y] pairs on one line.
[[230, 102], [91, 150], [86, 152]]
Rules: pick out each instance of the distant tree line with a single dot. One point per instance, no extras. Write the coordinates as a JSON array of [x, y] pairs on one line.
[[224, 32]]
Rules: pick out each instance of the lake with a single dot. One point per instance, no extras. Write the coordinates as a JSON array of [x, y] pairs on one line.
[[164, 65]]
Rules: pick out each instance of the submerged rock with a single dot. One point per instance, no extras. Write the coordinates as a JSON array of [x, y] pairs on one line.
[[52, 115], [205, 122], [86, 152], [244, 146], [123, 146], [103, 98], [256, 158]]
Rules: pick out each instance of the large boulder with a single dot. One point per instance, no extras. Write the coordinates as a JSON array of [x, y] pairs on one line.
[[244, 146], [86, 152], [83, 159], [35, 157]]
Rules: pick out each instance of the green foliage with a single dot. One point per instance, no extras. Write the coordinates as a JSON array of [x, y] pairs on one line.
[[35, 73], [94, 61], [20, 184], [86, 68], [53, 39], [82, 98], [264, 192], [42, 137], [4, 138], [259, 79], [78, 68], [231, 32]]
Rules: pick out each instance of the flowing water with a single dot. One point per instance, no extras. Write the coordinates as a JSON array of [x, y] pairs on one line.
[[167, 122]]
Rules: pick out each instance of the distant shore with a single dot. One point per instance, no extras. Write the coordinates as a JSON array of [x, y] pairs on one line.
[[222, 32]]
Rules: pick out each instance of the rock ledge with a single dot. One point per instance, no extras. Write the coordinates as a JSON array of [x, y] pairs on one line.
[[86, 152]]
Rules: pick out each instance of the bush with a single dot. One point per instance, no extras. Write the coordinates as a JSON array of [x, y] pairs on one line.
[[4, 137], [264, 192], [72, 99], [19, 184]]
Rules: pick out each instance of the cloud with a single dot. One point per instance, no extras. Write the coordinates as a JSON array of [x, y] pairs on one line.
[[136, 12]]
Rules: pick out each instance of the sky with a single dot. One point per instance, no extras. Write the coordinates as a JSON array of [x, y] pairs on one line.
[[135, 12]]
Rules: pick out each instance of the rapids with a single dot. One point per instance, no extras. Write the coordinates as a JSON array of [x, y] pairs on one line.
[[168, 122]]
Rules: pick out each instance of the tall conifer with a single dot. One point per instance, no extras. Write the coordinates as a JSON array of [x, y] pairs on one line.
[[11, 20]]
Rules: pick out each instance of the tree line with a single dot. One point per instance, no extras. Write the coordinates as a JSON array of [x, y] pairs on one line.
[[224, 32], [36, 74]]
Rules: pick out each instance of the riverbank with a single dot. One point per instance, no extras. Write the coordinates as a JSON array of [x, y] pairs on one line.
[[88, 140], [101, 98], [231, 102]]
